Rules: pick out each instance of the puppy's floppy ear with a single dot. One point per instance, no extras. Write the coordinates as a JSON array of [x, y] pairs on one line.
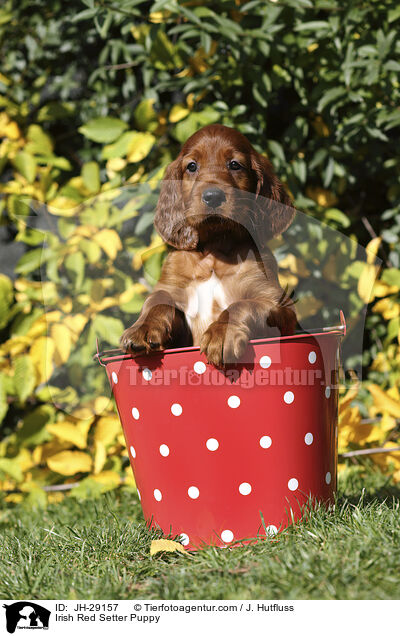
[[273, 200], [170, 221]]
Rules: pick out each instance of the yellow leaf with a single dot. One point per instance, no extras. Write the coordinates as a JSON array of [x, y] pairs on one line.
[[366, 282], [75, 324], [382, 289], [388, 307], [321, 196], [307, 306], [107, 428], [65, 304], [388, 460], [63, 206], [142, 254], [140, 146], [101, 403], [41, 453], [55, 497], [24, 459], [166, 545], [69, 432], [15, 345], [108, 478], [41, 354], [109, 241], [129, 479], [345, 400], [286, 279], [100, 456], [384, 402], [372, 249], [70, 462], [318, 123], [63, 341], [178, 112]]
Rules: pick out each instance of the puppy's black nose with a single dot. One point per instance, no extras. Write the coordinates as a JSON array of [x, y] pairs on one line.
[[213, 197]]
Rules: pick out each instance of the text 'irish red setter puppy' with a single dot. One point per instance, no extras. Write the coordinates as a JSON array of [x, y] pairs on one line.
[[219, 204]]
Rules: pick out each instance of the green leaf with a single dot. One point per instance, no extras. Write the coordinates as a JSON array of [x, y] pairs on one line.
[[24, 377], [39, 143], [152, 267], [6, 298], [26, 165], [391, 276], [314, 25], [33, 431], [75, 265], [145, 115], [103, 129], [393, 328], [10, 467], [30, 261], [3, 397], [121, 147], [107, 328], [91, 250], [91, 176], [333, 214]]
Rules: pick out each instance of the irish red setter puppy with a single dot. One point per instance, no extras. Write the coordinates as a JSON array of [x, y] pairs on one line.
[[219, 204]]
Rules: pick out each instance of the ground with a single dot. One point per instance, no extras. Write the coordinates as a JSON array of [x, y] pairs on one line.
[[99, 549]]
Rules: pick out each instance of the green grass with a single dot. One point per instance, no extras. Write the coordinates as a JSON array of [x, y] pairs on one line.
[[99, 549]]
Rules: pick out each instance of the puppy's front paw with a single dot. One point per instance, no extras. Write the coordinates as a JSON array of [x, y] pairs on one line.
[[145, 337], [224, 343]]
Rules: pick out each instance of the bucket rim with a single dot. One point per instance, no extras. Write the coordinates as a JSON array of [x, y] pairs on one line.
[[112, 355]]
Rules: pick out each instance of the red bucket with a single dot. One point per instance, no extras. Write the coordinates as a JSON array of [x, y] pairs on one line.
[[226, 457]]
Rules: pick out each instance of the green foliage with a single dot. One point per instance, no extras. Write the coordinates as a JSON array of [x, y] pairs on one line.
[[96, 99]]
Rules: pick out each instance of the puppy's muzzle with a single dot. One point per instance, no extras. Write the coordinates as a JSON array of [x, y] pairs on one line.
[[213, 197]]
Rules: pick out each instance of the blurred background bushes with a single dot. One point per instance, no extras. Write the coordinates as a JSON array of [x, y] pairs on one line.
[[96, 95]]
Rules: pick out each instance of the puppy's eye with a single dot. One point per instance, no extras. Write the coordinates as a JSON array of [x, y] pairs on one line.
[[234, 165], [191, 167]]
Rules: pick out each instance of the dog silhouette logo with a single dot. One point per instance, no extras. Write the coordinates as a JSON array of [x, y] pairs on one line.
[[26, 615]]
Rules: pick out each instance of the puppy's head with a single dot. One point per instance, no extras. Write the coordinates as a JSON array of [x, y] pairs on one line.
[[219, 183]]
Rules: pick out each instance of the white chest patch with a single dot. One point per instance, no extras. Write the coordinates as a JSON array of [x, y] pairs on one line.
[[203, 297]]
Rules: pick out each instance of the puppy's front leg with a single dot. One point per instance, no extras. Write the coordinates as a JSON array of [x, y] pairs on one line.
[[226, 339], [160, 325]]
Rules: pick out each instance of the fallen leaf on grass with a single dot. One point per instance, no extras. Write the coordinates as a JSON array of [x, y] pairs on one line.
[[166, 545]]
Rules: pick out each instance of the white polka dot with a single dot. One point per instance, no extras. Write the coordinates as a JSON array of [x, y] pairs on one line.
[[193, 492], [265, 362], [212, 444], [147, 374], [293, 484], [227, 536], [164, 450], [328, 478], [234, 401], [135, 413], [265, 441], [288, 397], [328, 392], [199, 367], [114, 377], [157, 495], [271, 530], [133, 452], [312, 356], [184, 539], [245, 488], [176, 409], [138, 494], [309, 438]]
